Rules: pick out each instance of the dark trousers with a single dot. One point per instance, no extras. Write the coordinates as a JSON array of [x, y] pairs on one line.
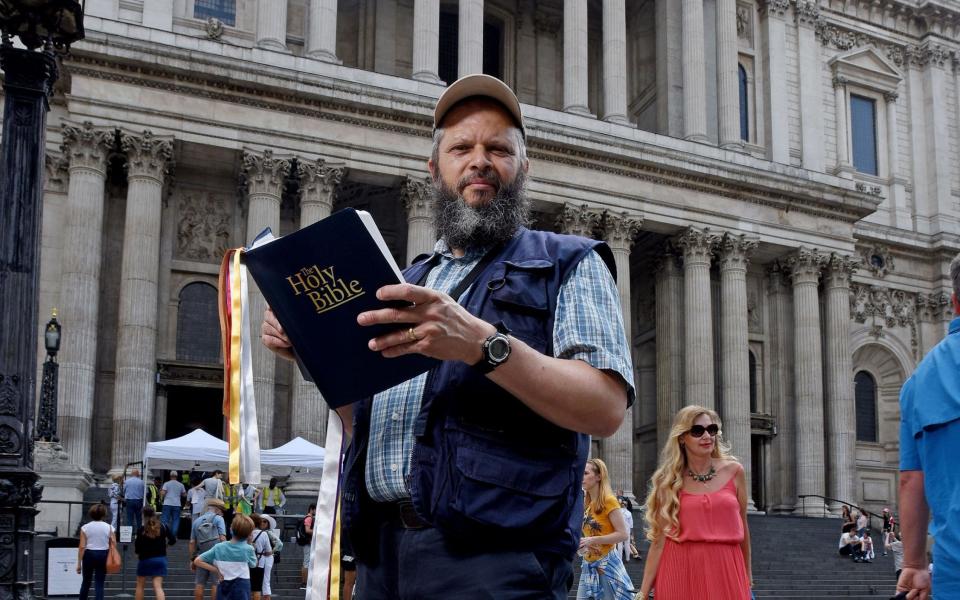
[[234, 589], [93, 568], [135, 514], [419, 564]]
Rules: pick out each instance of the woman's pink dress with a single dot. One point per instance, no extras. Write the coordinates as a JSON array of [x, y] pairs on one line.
[[707, 561]]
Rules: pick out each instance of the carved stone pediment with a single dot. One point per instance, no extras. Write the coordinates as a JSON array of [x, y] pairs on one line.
[[868, 68], [204, 223]]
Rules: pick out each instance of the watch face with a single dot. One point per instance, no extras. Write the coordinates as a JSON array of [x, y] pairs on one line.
[[499, 349]]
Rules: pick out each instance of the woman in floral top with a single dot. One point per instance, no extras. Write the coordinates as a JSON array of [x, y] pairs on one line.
[[602, 576]]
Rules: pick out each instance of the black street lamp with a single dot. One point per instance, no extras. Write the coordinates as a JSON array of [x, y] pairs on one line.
[[29, 76], [47, 416]]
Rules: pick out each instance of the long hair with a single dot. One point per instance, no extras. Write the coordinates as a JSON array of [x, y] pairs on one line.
[[663, 497], [151, 524], [596, 504]]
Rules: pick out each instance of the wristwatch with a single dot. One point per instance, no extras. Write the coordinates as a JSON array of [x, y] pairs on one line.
[[496, 349]]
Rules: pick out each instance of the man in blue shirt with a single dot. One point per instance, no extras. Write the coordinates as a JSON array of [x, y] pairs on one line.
[[534, 361], [929, 480], [133, 490]]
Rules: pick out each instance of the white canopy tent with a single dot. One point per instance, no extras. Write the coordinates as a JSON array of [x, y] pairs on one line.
[[200, 451], [295, 455]]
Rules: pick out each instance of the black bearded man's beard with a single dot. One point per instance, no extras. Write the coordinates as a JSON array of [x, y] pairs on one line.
[[465, 227]]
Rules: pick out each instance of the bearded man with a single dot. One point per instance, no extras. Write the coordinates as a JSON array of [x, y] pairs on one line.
[[464, 482]]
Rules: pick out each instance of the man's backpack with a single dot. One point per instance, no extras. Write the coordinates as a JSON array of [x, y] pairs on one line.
[[303, 538], [207, 535]]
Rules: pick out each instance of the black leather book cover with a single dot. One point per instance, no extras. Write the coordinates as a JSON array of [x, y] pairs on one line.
[[317, 280]]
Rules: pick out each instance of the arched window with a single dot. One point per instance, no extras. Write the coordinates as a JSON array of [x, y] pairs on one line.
[[753, 382], [198, 324], [744, 108], [225, 10], [865, 392]]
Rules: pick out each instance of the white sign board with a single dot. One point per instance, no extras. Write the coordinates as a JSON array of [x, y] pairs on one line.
[[62, 576], [126, 534]]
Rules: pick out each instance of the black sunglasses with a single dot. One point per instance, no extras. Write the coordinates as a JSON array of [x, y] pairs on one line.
[[698, 430]]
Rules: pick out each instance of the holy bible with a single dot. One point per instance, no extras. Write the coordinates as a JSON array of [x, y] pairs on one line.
[[317, 280]]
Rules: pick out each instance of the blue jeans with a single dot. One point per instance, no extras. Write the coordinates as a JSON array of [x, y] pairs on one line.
[[420, 563], [93, 567], [135, 514], [171, 518], [234, 589]]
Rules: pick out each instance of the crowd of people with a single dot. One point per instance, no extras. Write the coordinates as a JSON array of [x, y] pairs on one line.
[[153, 511]]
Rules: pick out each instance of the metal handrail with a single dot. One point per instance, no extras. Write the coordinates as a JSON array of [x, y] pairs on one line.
[[850, 504]]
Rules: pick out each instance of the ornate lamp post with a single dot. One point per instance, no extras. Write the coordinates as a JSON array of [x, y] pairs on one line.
[[47, 416], [29, 75]]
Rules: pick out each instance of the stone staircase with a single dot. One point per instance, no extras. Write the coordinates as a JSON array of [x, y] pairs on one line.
[[793, 558], [796, 558]]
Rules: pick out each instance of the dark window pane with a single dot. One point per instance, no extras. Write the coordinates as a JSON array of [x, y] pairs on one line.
[[744, 110], [225, 10], [863, 127], [449, 49], [865, 392], [753, 382], [198, 324], [493, 49]]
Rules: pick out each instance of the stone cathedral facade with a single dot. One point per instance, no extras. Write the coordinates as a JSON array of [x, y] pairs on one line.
[[778, 179]]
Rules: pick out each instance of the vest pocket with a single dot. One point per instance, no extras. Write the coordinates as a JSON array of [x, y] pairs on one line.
[[523, 495], [519, 291]]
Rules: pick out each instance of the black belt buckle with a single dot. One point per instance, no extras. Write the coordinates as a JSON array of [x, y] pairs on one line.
[[409, 517]]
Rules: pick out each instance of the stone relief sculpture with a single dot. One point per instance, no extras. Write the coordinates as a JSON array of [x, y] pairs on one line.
[[203, 226]]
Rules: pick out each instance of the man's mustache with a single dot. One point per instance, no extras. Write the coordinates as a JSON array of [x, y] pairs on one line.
[[489, 177]]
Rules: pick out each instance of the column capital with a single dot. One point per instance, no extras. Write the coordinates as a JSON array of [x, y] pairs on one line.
[[547, 22], [778, 276], [148, 156], [86, 146], [934, 307], [805, 265], [806, 12], [774, 8], [318, 181], [620, 229], [56, 168], [735, 250], [839, 268], [668, 264], [417, 197], [263, 174], [697, 245], [578, 219]]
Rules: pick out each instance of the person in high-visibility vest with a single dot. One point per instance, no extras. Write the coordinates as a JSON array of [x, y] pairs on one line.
[[272, 499]]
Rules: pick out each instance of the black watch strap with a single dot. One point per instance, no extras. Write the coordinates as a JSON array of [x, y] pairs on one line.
[[484, 366]]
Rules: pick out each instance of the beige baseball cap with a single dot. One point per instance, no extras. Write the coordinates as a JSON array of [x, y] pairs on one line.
[[478, 85]]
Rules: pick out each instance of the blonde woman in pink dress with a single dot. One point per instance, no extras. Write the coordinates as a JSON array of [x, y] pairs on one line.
[[697, 516]]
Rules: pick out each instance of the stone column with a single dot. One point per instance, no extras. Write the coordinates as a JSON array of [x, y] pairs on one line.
[[322, 32], [575, 59], [735, 348], [160, 415], [263, 176], [774, 51], [619, 230], [669, 76], [728, 81], [694, 73], [272, 24], [86, 148], [548, 26], [808, 378], [578, 219], [614, 62], [470, 48], [426, 40], [148, 158], [417, 202], [308, 409], [811, 97], [55, 182], [841, 410], [782, 447], [900, 214], [669, 332], [931, 60], [844, 164], [932, 310], [697, 246]]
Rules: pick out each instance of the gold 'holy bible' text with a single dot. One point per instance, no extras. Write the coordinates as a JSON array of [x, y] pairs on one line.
[[323, 288]]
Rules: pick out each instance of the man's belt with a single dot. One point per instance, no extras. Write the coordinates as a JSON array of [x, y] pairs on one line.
[[402, 513]]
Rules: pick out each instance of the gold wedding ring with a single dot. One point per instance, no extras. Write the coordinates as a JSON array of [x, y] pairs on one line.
[[411, 335]]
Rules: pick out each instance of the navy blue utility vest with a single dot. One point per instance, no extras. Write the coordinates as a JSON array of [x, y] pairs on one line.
[[486, 470]]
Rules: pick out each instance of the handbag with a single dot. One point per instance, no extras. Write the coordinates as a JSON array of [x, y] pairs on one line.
[[113, 560]]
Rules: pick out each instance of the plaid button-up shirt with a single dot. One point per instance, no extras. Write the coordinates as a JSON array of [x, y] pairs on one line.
[[588, 326]]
